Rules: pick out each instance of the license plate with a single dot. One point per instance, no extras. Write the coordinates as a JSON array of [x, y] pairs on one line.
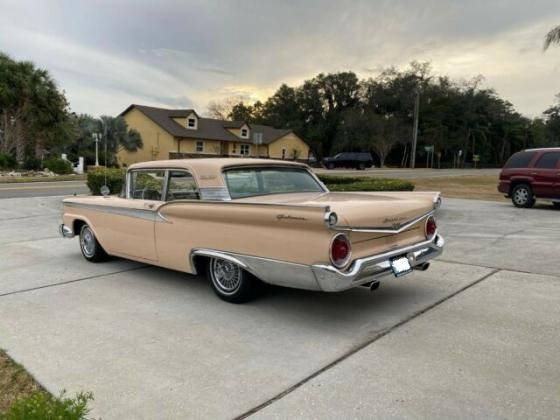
[[400, 266]]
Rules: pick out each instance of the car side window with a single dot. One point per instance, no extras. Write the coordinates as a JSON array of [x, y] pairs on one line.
[[520, 160], [548, 160], [181, 186], [146, 185]]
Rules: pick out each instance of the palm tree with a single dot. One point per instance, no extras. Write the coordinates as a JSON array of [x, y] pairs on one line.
[[553, 37]]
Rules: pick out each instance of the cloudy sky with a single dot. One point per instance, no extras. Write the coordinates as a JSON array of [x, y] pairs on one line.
[[108, 54]]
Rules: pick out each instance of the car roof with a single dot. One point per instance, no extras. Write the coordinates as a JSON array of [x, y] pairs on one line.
[[216, 164], [543, 149]]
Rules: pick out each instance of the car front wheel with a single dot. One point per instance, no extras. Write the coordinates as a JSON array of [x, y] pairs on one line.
[[522, 196], [230, 281], [556, 205], [91, 249]]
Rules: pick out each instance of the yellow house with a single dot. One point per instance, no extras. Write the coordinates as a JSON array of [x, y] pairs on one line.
[[182, 133]]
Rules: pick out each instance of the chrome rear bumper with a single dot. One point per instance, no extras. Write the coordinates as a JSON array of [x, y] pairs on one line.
[[365, 270]]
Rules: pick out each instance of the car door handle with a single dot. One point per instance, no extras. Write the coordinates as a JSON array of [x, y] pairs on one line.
[[534, 173]]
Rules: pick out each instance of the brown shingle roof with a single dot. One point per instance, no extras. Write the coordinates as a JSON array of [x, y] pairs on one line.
[[208, 128]]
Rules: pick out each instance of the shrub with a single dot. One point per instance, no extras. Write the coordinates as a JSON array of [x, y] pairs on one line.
[[31, 163], [7, 161], [340, 183], [58, 166], [42, 406], [96, 179]]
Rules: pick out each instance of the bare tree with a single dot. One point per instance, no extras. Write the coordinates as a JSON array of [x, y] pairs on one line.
[[552, 37], [221, 109]]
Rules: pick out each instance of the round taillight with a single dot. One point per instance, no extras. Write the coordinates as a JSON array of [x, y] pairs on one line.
[[341, 250], [431, 228]]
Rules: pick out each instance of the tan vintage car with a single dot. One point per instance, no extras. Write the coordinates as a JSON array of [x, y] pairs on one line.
[[248, 220]]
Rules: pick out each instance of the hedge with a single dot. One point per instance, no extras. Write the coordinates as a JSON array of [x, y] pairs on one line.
[[342, 183], [58, 166], [115, 181], [96, 179]]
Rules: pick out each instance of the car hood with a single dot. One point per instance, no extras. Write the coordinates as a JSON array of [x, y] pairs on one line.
[[361, 209]]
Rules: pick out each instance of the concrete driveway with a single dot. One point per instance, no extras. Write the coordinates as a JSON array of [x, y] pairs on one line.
[[474, 336]]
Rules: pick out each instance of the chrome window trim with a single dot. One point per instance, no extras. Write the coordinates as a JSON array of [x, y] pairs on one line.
[[129, 177], [273, 165], [168, 174]]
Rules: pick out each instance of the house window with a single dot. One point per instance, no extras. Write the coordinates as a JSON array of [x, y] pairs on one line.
[[234, 149], [244, 133], [245, 149], [283, 153], [199, 146], [191, 122]]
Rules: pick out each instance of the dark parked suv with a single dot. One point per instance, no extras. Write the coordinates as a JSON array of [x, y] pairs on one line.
[[532, 174], [356, 160]]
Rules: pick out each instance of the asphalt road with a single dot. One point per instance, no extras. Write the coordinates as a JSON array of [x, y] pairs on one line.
[[42, 189], [475, 336], [60, 188]]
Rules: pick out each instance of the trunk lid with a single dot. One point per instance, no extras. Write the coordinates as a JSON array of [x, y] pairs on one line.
[[388, 211]]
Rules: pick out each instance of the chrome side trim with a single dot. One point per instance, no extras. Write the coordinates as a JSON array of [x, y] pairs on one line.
[[381, 229], [65, 231], [268, 270], [323, 276], [214, 254], [146, 214]]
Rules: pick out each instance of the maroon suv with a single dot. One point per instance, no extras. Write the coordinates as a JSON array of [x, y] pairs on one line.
[[532, 174]]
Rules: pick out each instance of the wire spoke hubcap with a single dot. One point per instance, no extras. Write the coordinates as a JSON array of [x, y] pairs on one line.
[[226, 275]]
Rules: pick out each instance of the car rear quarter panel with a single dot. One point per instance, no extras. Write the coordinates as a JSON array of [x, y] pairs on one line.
[[286, 233]]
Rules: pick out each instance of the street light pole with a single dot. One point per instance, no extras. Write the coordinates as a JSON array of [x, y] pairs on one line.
[[415, 129], [96, 140]]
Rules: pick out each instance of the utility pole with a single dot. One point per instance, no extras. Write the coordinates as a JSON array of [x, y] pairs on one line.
[[415, 129]]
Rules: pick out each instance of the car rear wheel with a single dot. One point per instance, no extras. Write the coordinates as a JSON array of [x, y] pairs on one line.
[[91, 249], [522, 196], [330, 165], [361, 166], [230, 281]]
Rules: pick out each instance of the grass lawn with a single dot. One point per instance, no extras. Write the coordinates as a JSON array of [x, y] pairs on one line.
[[15, 382], [15, 179], [473, 187]]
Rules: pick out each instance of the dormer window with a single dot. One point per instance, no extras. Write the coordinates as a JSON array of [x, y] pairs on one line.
[[192, 122], [245, 133]]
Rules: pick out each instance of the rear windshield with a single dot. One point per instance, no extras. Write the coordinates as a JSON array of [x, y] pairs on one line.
[[520, 160], [250, 182]]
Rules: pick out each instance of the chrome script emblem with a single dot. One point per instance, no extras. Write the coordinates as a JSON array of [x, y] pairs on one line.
[[288, 217]]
